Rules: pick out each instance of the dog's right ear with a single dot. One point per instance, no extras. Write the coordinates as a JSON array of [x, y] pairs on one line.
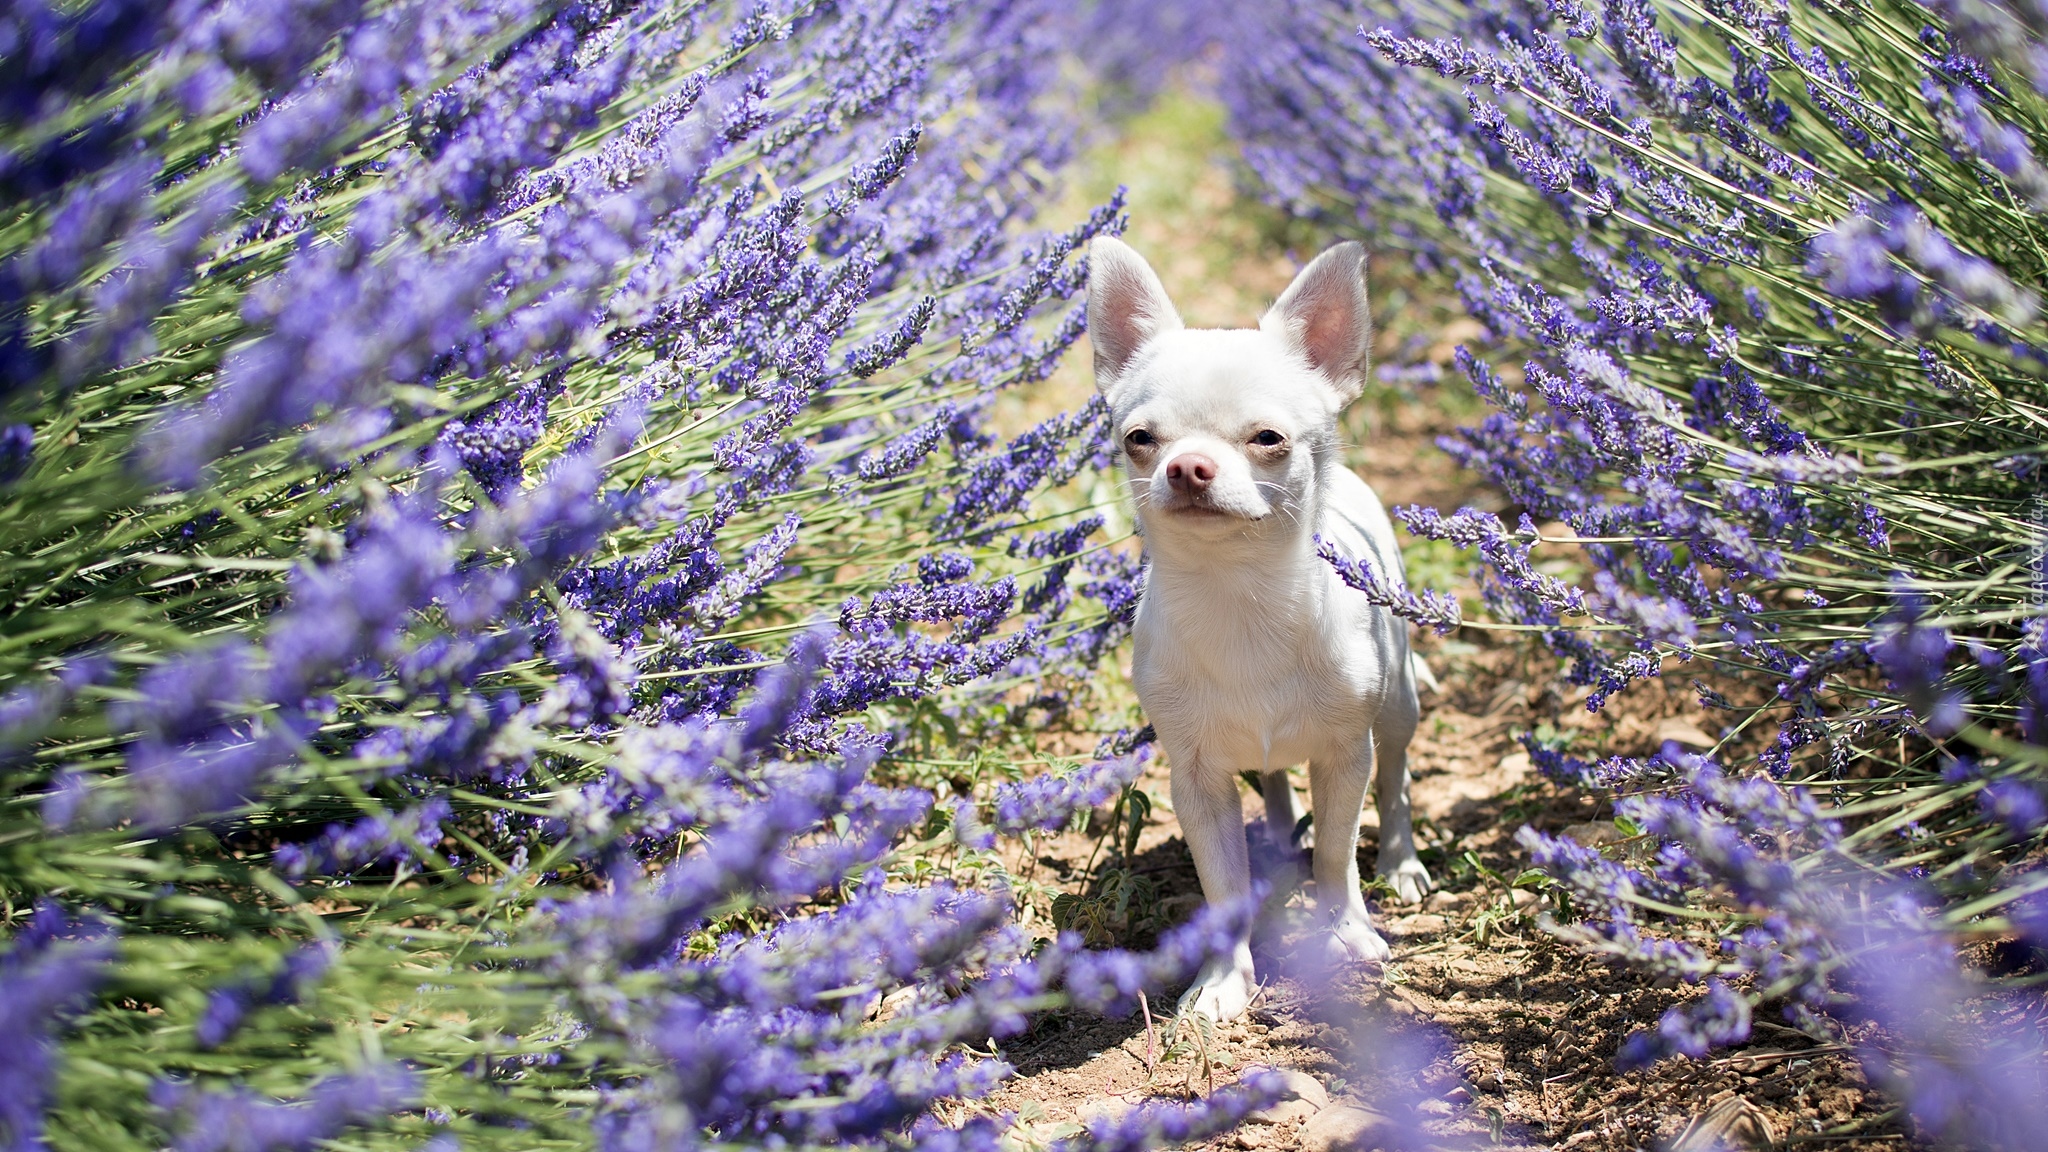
[[1127, 306]]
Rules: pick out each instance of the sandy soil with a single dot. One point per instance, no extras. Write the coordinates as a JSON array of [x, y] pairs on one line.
[[1517, 1032]]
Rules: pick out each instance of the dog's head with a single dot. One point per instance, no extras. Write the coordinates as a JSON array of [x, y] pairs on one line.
[[1224, 431]]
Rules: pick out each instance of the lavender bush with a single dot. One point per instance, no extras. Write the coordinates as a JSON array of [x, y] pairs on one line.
[[498, 508], [1772, 269]]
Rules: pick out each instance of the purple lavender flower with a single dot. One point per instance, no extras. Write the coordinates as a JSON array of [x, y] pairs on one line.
[[2015, 804], [979, 1134], [1975, 1085], [27, 711], [944, 567], [1912, 655], [493, 445], [396, 839], [336, 333], [341, 612], [2034, 657], [979, 608], [1715, 1020], [1150, 1125], [1043, 455], [1110, 982], [891, 347], [155, 264], [1856, 260], [54, 53], [227, 1007], [762, 565], [17, 448], [594, 683], [244, 1121], [50, 967], [1047, 802], [1437, 610]]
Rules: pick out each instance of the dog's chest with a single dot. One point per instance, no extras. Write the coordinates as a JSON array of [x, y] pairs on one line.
[[1252, 680]]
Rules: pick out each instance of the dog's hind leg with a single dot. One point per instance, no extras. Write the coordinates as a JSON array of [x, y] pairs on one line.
[[1391, 732], [1211, 817], [1337, 790], [1283, 809]]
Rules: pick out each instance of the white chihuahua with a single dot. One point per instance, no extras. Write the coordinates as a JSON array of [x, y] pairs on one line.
[[1251, 653]]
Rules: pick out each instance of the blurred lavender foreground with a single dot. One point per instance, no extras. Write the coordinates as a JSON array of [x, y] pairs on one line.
[[1769, 275], [495, 512]]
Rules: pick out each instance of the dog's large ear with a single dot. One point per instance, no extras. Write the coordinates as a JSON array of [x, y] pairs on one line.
[[1325, 318], [1126, 307]]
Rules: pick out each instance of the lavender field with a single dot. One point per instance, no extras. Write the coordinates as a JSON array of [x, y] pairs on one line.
[[564, 586]]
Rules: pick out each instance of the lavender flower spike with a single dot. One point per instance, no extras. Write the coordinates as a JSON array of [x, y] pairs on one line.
[[1435, 610]]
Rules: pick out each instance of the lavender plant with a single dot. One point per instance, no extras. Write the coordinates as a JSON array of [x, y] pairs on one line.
[[1771, 268], [492, 495]]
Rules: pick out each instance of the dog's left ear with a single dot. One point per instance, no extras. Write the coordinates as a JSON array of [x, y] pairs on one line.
[[1324, 317]]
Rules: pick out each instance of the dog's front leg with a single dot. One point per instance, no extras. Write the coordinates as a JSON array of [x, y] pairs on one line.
[[1212, 819], [1337, 789]]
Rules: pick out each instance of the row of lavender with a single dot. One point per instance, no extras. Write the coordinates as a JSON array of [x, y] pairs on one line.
[[1773, 269], [489, 493]]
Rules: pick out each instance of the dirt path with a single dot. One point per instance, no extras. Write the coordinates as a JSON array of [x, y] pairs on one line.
[[1490, 1030]]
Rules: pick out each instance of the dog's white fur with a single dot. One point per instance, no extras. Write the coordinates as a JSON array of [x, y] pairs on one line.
[[1250, 652]]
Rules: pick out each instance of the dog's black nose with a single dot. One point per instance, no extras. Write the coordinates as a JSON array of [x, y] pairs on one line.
[[1190, 473]]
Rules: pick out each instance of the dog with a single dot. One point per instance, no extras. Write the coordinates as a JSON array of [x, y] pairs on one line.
[[1251, 653]]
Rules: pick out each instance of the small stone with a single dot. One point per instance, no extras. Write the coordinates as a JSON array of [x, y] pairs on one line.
[[1257, 1136], [1434, 1108], [1423, 924], [1733, 1123], [1302, 1086], [1443, 901], [1460, 1095], [1678, 730], [1285, 1112], [1593, 833], [1342, 1126], [1295, 1085], [1107, 1110]]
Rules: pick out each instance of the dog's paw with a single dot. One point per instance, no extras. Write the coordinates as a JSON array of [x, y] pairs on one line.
[[1409, 880], [1352, 941], [1223, 993]]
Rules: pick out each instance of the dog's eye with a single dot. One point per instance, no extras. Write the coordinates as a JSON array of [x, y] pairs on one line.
[[1139, 438], [1269, 439]]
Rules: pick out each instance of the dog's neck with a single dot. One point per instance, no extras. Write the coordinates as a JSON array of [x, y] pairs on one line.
[[1262, 575]]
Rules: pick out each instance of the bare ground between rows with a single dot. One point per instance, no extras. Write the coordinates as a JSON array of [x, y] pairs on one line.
[[1526, 1028]]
